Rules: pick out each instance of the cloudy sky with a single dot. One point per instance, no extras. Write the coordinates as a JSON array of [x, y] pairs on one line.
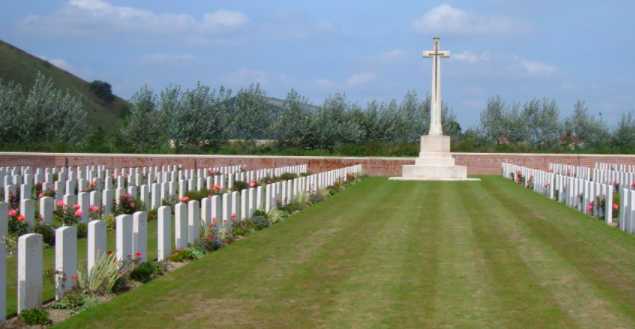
[[370, 49]]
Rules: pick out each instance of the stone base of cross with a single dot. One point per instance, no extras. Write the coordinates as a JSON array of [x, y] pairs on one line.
[[435, 162]]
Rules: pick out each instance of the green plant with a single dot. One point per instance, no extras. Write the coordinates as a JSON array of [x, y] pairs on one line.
[[110, 221], [239, 186], [102, 277], [288, 176], [275, 215], [35, 316], [191, 253], [82, 231], [147, 271], [48, 234], [76, 301]]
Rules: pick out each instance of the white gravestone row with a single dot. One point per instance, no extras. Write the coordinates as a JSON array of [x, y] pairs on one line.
[[583, 195]]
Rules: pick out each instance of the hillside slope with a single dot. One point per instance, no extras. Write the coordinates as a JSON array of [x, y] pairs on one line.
[[21, 67]]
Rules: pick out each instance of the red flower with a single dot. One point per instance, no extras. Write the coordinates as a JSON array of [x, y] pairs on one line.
[[215, 220], [216, 187], [138, 254], [132, 205], [109, 252], [78, 213], [233, 216], [76, 207], [12, 212], [21, 218], [74, 277], [60, 203], [211, 237], [211, 225], [186, 199], [615, 206]]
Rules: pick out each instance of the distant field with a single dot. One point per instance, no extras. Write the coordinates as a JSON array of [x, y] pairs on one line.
[[391, 254]]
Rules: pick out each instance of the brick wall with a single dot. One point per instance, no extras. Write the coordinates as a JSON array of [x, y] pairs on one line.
[[477, 163]]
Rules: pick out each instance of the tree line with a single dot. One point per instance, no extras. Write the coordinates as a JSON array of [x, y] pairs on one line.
[[206, 120]]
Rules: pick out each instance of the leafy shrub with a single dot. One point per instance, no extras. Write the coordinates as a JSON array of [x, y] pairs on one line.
[[144, 272], [191, 253], [111, 222], [239, 186], [288, 176], [126, 205], [82, 231], [261, 220], [18, 227], [102, 89], [35, 316], [103, 276], [48, 234], [76, 301]]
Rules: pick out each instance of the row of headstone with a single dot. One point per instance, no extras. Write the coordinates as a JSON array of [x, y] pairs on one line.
[[627, 210], [614, 167], [131, 233], [617, 175], [569, 170], [583, 195]]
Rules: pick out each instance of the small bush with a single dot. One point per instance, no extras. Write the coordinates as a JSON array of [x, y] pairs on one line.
[[103, 276], [82, 231], [48, 234], [75, 301], [143, 272], [35, 316], [288, 176], [261, 220], [239, 186], [191, 253]]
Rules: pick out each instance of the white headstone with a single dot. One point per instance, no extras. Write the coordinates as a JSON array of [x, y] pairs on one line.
[[83, 199], [27, 208], [4, 219], [140, 235], [46, 209], [3, 282], [124, 237], [29, 272], [65, 259], [180, 226], [194, 221], [164, 243], [96, 241]]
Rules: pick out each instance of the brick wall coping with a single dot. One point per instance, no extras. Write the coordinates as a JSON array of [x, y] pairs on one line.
[[330, 157]]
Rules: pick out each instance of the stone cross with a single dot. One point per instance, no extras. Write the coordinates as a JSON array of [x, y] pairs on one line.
[[436, 127]]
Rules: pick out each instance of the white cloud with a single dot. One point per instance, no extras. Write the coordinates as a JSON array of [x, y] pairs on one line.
[[291, 24], [159, 58], [361, 78], [244, 77], [95, 18], [389, 57], [66, 66], [470, 57], [537, 69], [447, 20], [324, 84]]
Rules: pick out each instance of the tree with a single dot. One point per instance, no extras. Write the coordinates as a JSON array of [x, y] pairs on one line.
[[290, 120], [102, 89], [624, 135], [590, 131], [542, 123], [142, 128]]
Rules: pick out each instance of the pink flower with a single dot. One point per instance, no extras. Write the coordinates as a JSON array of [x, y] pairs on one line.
[[209, 196], [216, 187], [76, 207], [252, 184], [132, 205], [74, 277], [223, 187], [186, 199], [233, 216], [41, 195], [589, 208], [12, 212], [78, 213], [179, 199], [615, 206], [60, 203]]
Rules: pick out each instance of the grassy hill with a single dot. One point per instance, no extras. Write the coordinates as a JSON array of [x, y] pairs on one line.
[[21, 67]]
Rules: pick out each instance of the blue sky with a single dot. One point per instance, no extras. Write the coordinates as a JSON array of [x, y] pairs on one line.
[[566, 50]]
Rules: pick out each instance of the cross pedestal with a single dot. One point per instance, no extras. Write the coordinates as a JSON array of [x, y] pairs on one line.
[[435, 162]]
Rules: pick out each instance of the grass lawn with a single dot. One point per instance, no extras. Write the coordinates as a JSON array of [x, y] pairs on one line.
[[391, 254]]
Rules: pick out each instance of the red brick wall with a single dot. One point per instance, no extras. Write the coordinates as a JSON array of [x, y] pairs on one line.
[[477, 163]]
